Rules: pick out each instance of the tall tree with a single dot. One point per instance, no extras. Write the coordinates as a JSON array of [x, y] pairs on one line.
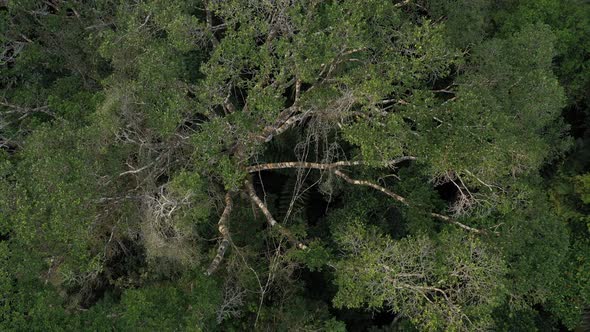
[[167, 152]]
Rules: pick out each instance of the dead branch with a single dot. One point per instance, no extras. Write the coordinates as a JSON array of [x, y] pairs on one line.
[[228, 105], [320, 166], [297, 90], [270, 131], [452, 221], [286, 125], [301, 164], [209, 20], [134, 171], [26, 111], [333, 167], [99, 25], [403, 3], [270, 219], [224, 230], [404, 201], [372, 185], [233, 301]]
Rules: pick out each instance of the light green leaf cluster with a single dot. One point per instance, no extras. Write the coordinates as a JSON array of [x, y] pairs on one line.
[[453, 283]]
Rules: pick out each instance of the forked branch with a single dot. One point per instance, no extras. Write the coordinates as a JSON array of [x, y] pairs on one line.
[[404, 201], [335, 168]]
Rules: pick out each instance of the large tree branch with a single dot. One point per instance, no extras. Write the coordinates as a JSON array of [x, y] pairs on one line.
[[26, 111], [209, 19], [372, 185], [455, 222], [269, 131], [334, 167], [228, 105], [270, 219], [286, 125], [404, 201], [300, 164], [224, 230], [321, 166]]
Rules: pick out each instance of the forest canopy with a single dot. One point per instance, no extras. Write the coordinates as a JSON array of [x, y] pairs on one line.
[[294, 165]]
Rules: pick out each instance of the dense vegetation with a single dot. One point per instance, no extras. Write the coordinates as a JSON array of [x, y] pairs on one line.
[[294, 165]]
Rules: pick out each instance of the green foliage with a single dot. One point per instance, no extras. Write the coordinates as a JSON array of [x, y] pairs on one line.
[[535, 245], [315, 258], [299, 314], [583, 187], [57, 173], [571, 292], [124, 124], [168, 307], [466, 22], [431, 283], [190, 186], [570, 23], [508, 108]]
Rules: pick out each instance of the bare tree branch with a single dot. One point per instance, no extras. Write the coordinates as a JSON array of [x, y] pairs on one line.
[[270, 131], [404, 201], [297, 90], [134, 171], [321, 166], [224, 230], [334, 167], [286, 125], [270, 219], [372, 185], [209, 19], [228, 105], [26, 111], [454, 222]]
